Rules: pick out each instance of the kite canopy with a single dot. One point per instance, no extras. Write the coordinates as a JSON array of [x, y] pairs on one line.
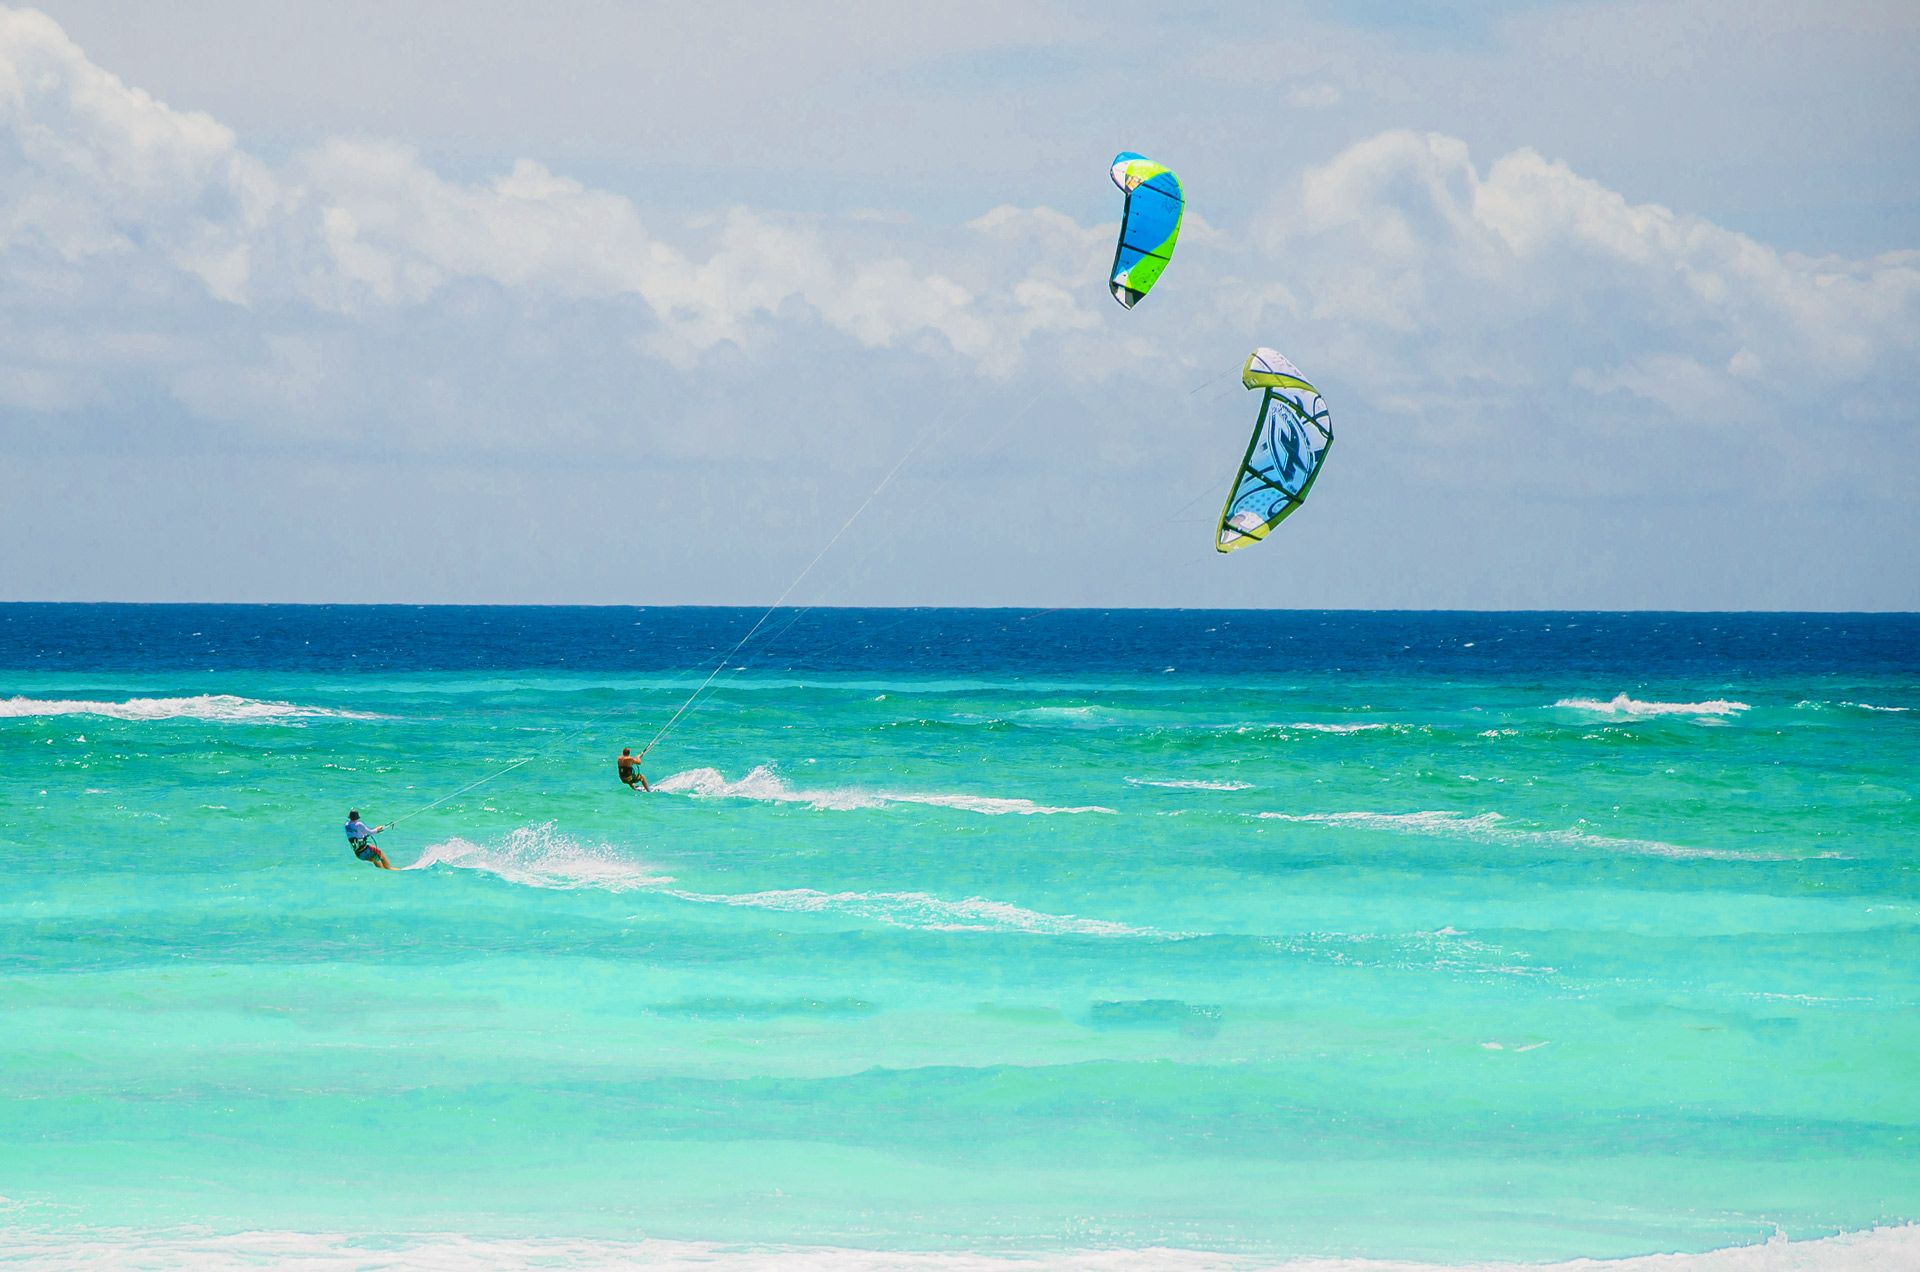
[[1291, 438], [1148, 229]]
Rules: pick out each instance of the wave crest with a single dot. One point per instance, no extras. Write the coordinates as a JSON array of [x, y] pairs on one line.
[[1621, 705], [208, 706], [1189, 784], [765, 785]]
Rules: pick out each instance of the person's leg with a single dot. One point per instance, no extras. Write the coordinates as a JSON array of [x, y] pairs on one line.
[[380, 859], [643, 782]]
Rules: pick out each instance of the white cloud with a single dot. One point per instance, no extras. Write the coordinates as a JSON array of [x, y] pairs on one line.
[[1496, 327], [92, 164], [1403, 235], [1400, 233], [105, 169]]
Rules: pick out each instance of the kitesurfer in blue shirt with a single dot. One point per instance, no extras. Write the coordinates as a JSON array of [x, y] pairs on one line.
[[360, 839]]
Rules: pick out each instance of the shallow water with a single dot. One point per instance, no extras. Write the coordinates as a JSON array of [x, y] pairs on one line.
[[1440, 937]]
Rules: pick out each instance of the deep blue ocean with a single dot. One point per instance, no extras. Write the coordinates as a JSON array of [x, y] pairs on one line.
[[1144, 938]]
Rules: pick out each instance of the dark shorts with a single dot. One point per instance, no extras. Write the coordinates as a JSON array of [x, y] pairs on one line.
[[629, 776], [364, 849]]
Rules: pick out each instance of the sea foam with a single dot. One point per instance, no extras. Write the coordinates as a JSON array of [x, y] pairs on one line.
[[1621, 705], [1491, 828], [540, 857], [1886, 1247], [215, 706], [1309, 726], [1189, 784], [920, 910], [764, 785], [1807, 704]]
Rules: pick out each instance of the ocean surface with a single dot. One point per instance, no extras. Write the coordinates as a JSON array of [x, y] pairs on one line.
[[1133, 938]]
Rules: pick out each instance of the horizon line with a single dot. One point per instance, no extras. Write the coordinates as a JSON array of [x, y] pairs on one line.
[[1008, 608]]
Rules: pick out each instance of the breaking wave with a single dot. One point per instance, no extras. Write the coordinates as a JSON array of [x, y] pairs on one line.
[[1806, 704], [1080, 717], [1311, 727], [1190, 784], [1621, 705], [1284, 732], [1492, 828], [1886, 1247], [764, 785], [213, 706]]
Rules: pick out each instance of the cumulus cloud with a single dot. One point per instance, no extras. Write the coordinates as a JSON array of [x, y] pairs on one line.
[[1478, 325], [1532, 279], [102, 169], [1477, 276]]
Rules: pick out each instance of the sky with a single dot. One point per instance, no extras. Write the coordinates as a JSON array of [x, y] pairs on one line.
[[1616, 305]]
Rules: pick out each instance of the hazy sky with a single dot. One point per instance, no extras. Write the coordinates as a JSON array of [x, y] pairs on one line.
[[1615, 304]]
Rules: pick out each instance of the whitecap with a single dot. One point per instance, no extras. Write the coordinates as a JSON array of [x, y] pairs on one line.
[[216, 706], [1190, 784], [1312, 727], [1809, 704], [1621, 705], [764, 785]]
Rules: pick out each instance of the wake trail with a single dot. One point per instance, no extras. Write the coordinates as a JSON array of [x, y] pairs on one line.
[[539, 857]]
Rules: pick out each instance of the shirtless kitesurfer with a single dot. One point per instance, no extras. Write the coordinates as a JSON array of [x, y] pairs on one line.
[[360, 839], [629, 765]]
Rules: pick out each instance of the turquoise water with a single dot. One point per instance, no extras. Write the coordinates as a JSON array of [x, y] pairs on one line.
[[1433, 937]]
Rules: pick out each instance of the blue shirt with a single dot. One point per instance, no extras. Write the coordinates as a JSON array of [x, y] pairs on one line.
[[357, 829]]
